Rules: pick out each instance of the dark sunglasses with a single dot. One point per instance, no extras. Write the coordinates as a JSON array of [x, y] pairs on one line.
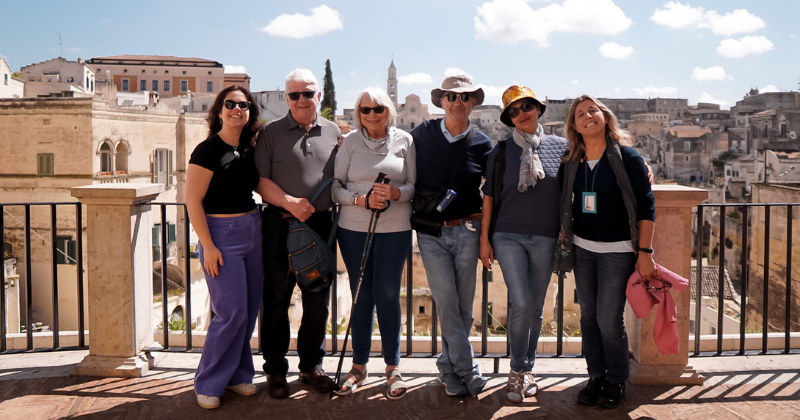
[[244, 105], [377, 109], [452, 96], [296, 95], [526, 106]]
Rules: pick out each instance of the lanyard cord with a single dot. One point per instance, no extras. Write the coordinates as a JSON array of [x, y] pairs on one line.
[[594, 175]]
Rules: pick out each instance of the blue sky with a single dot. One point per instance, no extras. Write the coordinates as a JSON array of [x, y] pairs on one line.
[[706, 50]]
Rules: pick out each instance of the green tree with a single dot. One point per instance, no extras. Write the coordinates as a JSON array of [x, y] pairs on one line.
[[565, 113], [328, 94], [17, 74]]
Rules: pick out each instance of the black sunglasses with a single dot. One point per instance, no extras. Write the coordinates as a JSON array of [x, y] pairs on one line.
[[230, 104], [452, 96], [296, 95], [526, 106], [377, 109]]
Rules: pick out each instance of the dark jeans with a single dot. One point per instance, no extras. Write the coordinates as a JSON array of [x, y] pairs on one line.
[[601, 281], [279, 286], [380, 289]]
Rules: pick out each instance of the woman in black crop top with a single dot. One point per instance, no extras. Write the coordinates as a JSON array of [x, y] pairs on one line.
[[221, 178]]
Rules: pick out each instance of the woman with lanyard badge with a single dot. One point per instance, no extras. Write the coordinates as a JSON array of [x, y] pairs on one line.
[[608, 218]]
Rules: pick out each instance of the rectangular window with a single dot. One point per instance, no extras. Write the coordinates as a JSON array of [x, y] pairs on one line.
[[210, 87], [5, 78], [166, 85], [162, 167], [125, 85], [184, 85], [67, 250], [157, 242], [143, 85], [155, 86], [205, 107], [45, 164], [687, 146], [422, 310]]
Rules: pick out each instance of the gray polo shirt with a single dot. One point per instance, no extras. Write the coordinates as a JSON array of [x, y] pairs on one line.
[[298, 160]]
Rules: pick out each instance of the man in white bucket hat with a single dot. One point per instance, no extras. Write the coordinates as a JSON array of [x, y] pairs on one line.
[[451, 156]]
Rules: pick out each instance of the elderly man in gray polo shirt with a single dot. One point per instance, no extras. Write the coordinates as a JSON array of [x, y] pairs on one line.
[[294, 155]]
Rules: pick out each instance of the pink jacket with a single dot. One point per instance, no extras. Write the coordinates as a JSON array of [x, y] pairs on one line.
[[642, 296]]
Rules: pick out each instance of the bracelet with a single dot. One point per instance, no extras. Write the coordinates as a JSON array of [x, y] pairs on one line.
[[354, 199], [646, 250]]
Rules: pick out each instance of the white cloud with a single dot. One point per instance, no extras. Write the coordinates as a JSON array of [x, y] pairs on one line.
[[655, 91], [711, 73], [512, 21], [707, 98], [575, 82], [416, 78], [677, 15], [737, 48], [769, 88], [229, 68], [454, 71], [494, 94], [614, 50], [322, 20]]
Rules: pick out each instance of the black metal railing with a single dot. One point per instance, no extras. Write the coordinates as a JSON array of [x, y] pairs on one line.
[[745, 269], [55, 252]]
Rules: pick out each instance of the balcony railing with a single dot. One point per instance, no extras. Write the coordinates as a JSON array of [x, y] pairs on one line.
[[184, 257]]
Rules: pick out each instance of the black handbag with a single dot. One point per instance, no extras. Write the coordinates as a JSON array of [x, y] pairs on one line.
[[425, 200]]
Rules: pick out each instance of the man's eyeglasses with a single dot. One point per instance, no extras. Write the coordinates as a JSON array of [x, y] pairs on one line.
[[244, 105], [296, 95], [451, 96], [526, 106], [377, 109]]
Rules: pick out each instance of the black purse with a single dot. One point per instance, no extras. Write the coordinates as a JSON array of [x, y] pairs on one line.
[[425, 200]]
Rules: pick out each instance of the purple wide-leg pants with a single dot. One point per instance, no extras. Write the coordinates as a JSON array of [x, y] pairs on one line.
[[235, 299]]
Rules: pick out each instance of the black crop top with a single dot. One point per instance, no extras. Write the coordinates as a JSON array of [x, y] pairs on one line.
[[234, 179]]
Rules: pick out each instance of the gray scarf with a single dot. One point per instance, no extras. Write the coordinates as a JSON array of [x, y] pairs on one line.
[[530, 168]]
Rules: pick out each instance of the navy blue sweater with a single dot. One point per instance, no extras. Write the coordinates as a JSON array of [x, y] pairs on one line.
[[610, 223], [536, 211], [437, 159]]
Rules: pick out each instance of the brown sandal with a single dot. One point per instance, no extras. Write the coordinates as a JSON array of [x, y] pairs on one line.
[[352, 383]]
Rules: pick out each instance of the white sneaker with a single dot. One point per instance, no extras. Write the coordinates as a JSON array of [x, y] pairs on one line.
[[246, 389], [531, 388], [207, 402]]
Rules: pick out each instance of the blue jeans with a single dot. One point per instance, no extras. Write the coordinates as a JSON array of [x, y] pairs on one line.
[[235, 299], [601, 280], [451, 263], [380, 289], [527, 264]]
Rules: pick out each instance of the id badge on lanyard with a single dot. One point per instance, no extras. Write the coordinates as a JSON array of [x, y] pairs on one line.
[[590, 197]]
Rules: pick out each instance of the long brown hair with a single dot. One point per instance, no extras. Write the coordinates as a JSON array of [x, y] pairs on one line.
[[253, 124], [613, 131]]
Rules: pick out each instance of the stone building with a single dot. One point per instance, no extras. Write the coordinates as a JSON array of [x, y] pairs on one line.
[[10, 86], [233, 79], [624, 108], [673, 107], [168, 75], [273, 104], [687, 156], [555, 110], [409, 115], [49, 145], [391, 83], [58, 77]]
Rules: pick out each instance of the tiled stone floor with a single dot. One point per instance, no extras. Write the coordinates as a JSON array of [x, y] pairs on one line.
[[40, 386]]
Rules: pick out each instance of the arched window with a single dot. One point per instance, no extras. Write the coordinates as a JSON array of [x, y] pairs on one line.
[[121, 159], [105, 158]]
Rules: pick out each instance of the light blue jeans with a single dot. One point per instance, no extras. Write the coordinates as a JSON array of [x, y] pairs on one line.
[[451, 263], [527, 264]]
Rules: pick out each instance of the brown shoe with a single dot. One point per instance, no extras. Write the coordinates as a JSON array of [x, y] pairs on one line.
[[318, 379], [277, 386]]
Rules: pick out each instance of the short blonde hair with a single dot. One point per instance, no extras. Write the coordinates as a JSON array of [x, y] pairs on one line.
[[380, 97], [613, 130]]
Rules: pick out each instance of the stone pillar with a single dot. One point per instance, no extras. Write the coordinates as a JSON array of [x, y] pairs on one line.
[[120, 277], [673, 249]]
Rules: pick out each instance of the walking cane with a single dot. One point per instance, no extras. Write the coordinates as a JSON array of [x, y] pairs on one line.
[[373, 225]]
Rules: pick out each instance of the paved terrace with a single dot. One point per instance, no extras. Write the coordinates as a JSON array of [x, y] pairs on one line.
[[40, 385]]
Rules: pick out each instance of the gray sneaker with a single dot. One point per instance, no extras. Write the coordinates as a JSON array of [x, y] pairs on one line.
[[474, 382], [453, 385]]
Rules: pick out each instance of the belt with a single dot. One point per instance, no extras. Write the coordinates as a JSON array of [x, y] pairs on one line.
[[458, 222]]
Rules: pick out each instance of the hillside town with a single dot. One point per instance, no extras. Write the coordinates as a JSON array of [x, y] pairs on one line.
[[136, 119]]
